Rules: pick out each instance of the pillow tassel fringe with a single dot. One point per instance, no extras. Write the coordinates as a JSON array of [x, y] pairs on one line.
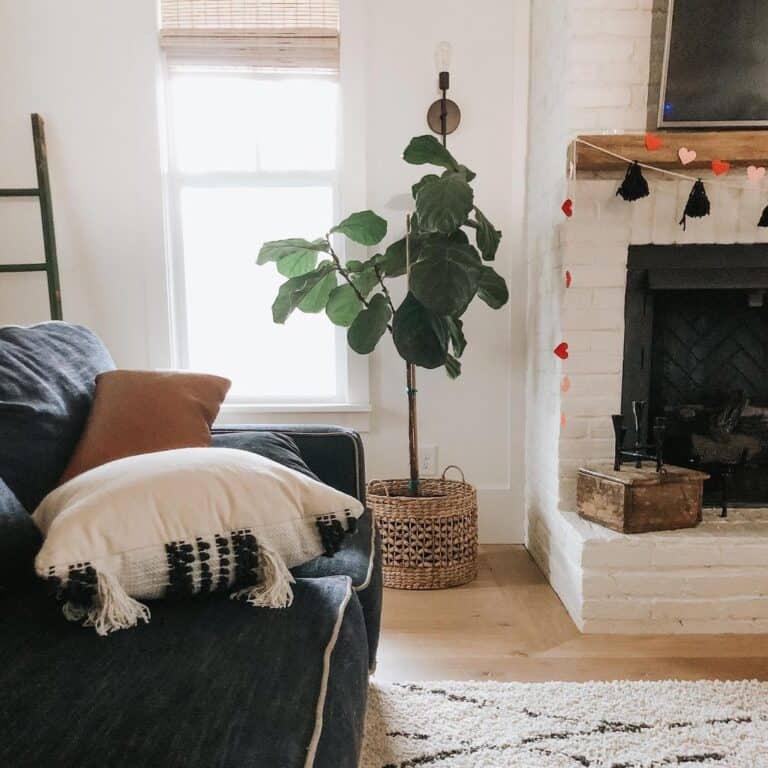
[[113, 607], [274, 590]]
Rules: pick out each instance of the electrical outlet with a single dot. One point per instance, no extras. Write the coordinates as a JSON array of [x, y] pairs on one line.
[[428, 460]]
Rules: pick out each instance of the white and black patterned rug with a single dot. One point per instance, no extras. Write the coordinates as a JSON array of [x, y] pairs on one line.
[[567, 725]]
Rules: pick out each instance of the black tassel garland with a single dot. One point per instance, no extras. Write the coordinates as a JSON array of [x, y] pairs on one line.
[[698, 203], [634, 185], [764, 218]]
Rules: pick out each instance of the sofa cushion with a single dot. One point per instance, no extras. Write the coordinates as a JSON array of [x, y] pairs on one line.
[[334, 454], [208, 684], [48, 376], [19, 541], [136, 412], [278, 447]]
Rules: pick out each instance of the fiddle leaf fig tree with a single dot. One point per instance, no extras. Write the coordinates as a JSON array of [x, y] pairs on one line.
[[445, 257]]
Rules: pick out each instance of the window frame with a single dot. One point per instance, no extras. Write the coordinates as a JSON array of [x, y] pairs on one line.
[[353, 394]]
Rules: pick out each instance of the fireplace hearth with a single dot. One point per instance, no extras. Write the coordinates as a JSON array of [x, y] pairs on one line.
[[696, 350]]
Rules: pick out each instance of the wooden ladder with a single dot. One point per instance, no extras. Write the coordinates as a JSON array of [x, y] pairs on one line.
[[43, 192]]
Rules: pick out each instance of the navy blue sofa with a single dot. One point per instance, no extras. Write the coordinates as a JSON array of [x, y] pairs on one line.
[[209, 682]]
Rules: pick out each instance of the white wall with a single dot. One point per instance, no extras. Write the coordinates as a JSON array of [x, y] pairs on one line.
[[477, 420], [90, 67]]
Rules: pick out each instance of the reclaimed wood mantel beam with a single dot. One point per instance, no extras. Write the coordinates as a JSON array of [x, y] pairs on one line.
[[739, 148]]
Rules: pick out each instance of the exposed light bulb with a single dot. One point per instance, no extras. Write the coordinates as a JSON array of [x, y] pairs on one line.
[[443, 54]]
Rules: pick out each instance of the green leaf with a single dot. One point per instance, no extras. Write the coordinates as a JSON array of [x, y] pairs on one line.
[[316, 298], [293, 291], [459, 236], [365, 281], [364, 227], [393, 263], [468, 175], [427, 149], [444, 205], [428, 179], [445, 278], [420, 336], [293, 256], [492, 288], [452, 366], [488, 236], [343, 305], [456, 335], [369, 325]]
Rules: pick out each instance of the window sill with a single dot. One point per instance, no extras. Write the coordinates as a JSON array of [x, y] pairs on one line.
[[353, 415]]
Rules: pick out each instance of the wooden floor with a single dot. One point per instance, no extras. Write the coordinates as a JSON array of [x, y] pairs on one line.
[[510, 625]]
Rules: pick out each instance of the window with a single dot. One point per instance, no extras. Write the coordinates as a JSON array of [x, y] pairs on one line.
[[253, 104]]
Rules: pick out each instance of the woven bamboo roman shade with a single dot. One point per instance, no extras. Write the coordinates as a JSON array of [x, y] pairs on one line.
[[266, 33]]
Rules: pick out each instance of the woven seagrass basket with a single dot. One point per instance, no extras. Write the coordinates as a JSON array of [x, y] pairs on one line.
[[429, 541]]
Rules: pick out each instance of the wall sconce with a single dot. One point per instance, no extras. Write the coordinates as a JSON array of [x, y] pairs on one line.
[[444, 115]]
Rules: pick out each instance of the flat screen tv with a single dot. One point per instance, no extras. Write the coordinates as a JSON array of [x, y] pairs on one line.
[[715, 64]]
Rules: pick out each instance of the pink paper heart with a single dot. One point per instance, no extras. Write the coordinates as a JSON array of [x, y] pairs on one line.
[[686, 155], [755, 173]]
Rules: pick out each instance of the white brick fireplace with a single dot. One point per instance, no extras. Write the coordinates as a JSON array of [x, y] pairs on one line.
[[589, 74], [710, 579]]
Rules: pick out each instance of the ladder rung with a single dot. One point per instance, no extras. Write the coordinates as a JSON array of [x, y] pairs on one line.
[[23, 267], [19, 192]]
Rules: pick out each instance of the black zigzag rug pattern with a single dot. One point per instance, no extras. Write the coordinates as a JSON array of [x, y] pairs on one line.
[[567, 725]]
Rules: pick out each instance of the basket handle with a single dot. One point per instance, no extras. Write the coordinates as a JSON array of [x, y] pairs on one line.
[[371, 483], [454, 466]]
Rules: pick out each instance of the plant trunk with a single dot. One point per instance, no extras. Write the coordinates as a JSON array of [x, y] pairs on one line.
[[410, 388], [413, 437]]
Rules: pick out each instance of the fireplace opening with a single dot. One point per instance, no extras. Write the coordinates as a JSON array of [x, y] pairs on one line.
[[696, 350]]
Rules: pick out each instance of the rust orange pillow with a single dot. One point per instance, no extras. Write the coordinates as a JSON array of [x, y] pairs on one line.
[[137, 412]]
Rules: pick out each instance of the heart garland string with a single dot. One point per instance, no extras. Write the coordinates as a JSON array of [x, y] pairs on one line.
[[635, 187]]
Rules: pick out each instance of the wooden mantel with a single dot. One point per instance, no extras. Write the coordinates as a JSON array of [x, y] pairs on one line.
[[739, 148]]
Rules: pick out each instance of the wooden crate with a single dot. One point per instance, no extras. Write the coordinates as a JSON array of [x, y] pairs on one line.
[[640, 500]]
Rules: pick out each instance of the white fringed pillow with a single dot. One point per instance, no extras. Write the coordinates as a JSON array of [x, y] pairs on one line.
[[183, 522]]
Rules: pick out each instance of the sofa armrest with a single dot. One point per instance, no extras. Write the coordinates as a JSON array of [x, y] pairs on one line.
[[334, 454]]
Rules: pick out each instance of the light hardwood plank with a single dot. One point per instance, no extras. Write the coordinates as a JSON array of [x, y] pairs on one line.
[[510, 625]]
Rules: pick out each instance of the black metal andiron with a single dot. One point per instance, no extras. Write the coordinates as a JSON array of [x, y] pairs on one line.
[[640, 450]]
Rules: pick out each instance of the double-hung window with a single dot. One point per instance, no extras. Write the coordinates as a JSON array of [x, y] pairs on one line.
[[252, 110]]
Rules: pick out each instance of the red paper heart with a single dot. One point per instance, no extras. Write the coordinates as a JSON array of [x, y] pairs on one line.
[[565, 384], [568, 278], [561, 350], [563, 420], [720, 167], [567, 207], [652, 142]]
